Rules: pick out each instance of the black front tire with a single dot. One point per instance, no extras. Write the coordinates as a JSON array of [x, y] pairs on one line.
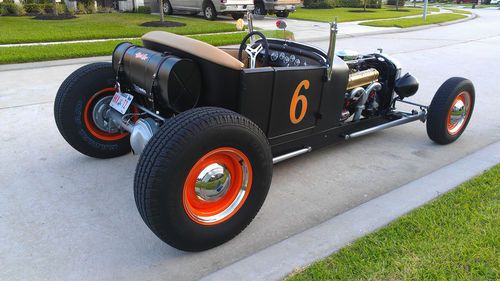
[[167, 7], [165, 166], [282, 14], [73, 103], [260, 9], [237, 16], [209, 11], [440, 129]]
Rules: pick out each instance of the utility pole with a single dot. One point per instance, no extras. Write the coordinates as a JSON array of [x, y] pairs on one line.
[[425, 9]]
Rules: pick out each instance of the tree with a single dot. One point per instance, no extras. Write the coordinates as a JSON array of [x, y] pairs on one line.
[[162, 12], [54, 8]]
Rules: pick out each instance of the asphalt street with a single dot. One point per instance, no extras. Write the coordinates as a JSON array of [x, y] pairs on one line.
[[65, 216]]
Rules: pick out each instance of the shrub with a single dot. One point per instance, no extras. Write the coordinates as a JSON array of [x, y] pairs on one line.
[[34, 8], [319, 4], [48, 8], [144, 10], [11, 9], [70, 11], [91, 9], [104, 10], [359, 3], [3, 10], [401, 3], [80, 8]]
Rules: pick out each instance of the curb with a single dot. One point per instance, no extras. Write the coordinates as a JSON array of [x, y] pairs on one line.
[[52, 63], [318, 242]]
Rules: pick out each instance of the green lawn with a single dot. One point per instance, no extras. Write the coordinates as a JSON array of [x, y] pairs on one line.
[[80, 50], [97, 26], [455, 237], [410, 22], [456, 11], [355, 14], [469, 5]]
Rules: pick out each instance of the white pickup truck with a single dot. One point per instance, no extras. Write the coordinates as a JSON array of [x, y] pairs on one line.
[[279, 7], [209, 8]]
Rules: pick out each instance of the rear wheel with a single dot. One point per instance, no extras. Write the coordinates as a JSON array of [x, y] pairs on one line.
[[80, 104], [260, 9], [450, 110], [237, 16], [202, 178], [209, 11], [282, 14]]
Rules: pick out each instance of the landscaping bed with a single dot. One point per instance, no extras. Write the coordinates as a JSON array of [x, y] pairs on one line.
[[455, 237], [410, 22], [352, 14]]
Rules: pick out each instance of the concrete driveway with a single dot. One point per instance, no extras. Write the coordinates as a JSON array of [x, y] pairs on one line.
[[65, 216]]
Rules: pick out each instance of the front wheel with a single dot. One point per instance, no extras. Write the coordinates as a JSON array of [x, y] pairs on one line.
[[209, 11], [167, 7], [450, 110], [282, 14], [79, 111], [202, 178]]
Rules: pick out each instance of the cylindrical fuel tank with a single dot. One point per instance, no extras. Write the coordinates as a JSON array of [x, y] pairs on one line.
[[177, 81]]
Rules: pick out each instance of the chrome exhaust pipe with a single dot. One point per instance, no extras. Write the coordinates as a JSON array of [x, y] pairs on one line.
[[403, 120], [140, 131], [331, 48], [291, 154]]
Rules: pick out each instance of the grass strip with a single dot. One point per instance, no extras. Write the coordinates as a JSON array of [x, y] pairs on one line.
[[355, 14], [80, 50], [410, 22], [463, 12], [98, 26], [455, 237]]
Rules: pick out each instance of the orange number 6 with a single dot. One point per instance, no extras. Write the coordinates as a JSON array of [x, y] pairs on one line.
[[295, 100]]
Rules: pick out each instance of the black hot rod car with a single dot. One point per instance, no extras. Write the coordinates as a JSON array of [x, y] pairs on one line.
[[210, 122]]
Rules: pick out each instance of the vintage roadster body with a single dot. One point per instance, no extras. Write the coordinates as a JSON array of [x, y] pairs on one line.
[[210, 122]]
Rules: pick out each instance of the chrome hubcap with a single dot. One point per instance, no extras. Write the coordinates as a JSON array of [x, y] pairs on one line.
[[99, 116], [458, 113], [208, 12], [213, 182], [217, 186]]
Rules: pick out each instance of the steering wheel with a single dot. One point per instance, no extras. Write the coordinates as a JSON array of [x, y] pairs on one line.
[[254, 50]]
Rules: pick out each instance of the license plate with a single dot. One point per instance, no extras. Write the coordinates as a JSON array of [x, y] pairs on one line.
[[121, 102]]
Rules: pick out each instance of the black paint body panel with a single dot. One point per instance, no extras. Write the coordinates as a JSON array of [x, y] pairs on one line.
[[264, 95]]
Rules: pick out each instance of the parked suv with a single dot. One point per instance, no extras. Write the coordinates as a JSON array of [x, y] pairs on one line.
[[281, 8], [210, 8]]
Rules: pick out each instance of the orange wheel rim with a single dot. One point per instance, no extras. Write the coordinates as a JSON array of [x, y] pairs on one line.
[[89, 122], [217, 186], [458, 113]]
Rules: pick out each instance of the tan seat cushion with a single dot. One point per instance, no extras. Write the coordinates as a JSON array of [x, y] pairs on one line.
[[193, 47]]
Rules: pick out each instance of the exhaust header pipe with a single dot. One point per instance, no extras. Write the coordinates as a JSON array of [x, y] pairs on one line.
[[331, 48]]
